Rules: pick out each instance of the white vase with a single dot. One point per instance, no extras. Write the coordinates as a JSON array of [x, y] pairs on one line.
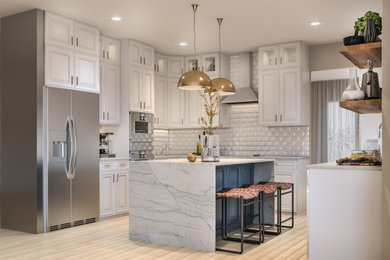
[[353, 91], [210, 148]]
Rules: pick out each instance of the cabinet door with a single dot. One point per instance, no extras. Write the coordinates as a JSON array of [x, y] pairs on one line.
[[192, 109], [112, 50], [285, 176], [175, 104], [147, 91], [59, 30], [135, 103], [112, 94], [290, 54], [175, 66], [269, 98], [290, 92], [59, 67], [192, 63], [161, 64], [107, 194], [102, 47], [87, 72], [135, 53], [102, 96], [148, 56], [160, 97], [122, 192], [211, 64], [87, 38], [268, 57]]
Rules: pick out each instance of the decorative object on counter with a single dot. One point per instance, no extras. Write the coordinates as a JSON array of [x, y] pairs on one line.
[[375, 26], [362, 161], [210, 151], [373, 145], [198, 146], [104, 145], [353, 40], [194, 79], [353, 91], [191, 157], [222, 86], [370, 82]]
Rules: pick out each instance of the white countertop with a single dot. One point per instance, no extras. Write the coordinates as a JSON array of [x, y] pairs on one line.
[[333, 165], [113, 159], [222, 161]]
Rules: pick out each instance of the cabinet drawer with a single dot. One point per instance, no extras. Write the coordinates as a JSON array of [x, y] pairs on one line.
[[106, 166], [121, 165], [286, 165]]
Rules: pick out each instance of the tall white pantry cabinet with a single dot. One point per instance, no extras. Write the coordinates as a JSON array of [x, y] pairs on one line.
[[284, 85], [71, 54]]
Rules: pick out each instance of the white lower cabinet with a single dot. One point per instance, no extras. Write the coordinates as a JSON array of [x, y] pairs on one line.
[[293, 171], [114, 189]]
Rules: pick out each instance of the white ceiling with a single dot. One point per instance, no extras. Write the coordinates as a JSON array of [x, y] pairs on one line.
[[247, 23]]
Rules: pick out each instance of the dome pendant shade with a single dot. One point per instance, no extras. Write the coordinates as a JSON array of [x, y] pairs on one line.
[[194, 80], [223, 87]]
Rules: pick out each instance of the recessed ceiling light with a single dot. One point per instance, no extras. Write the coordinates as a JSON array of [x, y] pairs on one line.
[[183, 44], [315, 23], [116, 18]]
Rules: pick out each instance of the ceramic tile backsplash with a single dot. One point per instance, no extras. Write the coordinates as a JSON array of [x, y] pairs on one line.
[[243, 138]]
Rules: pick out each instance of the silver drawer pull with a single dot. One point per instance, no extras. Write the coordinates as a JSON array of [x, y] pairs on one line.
[[106, 166], [122, 165]]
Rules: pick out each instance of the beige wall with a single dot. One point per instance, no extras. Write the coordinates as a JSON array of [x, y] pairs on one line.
[[327, 57], [386, 130]]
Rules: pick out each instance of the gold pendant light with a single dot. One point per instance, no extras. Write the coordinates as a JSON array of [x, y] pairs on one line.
[[194, 79], [222, 86]]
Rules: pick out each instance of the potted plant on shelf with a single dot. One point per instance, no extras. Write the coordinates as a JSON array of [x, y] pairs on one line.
[[367, 29], [210, 142]]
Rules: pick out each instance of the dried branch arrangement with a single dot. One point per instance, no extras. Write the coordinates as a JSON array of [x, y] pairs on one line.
[[211, 102]]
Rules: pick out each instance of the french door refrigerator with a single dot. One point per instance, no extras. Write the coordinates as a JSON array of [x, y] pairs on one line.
[[73, 160]]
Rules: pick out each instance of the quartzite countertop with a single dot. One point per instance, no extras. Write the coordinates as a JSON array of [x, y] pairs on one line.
[[172, 201]]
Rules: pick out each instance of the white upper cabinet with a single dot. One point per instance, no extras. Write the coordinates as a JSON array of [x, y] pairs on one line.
[[147, 91], [109, 94], [284, 85], [175, 101], [87, 38], [193, 109], [59, 64], [71, 54], [141, 94], [109, 49], [86, 73], [175, 66], [160, 64], [192, 63], [210, 64], [141, 55], [59, 30], [160, 102]]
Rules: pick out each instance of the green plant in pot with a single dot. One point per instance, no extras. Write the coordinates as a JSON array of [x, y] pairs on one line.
[[360, 24]]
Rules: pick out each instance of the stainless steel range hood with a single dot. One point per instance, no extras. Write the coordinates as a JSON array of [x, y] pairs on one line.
[[244, 91]]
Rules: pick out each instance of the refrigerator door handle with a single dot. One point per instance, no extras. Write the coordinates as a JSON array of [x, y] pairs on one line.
[[74, 159], [69, 132]]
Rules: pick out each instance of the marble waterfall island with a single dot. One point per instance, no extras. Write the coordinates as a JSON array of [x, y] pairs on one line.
[[172, 201]]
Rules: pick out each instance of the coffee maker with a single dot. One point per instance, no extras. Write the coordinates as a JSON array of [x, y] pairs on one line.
[[104, 146]]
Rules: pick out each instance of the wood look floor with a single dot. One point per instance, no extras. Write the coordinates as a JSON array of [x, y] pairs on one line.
[[109, 240]]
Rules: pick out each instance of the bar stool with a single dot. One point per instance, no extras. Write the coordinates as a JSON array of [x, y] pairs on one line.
[[246, 198], [279, 187]]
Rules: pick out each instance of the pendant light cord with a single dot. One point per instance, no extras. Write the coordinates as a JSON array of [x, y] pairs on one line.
[[194, 8], [219, 35]]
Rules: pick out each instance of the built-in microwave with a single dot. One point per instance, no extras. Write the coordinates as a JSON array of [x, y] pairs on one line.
[[141, 123], [141, 136]]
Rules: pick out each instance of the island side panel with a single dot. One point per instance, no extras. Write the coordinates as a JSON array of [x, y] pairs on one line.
[[173, 204], [265, 172]]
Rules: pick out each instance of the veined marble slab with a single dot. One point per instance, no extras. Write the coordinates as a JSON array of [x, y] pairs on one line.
[[172, 201]]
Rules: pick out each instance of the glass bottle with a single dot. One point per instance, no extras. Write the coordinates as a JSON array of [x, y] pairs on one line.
[[353, 91]]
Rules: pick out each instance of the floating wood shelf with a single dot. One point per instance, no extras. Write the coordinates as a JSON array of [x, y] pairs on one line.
[[360, 53], [366, 106]]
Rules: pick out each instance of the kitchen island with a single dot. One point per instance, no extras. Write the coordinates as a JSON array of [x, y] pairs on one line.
[[172, 201]]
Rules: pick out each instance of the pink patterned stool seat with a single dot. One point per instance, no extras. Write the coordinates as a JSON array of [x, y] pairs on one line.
[[267, 189], [236, 193], [281, 185]]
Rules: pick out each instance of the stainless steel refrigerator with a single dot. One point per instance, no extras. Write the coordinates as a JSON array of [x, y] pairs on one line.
[[49, 137], [73, 165]]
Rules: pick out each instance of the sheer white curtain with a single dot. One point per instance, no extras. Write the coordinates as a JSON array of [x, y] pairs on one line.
[[334, 129]]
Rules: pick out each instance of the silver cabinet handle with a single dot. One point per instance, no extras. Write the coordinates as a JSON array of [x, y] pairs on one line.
[[108, 115], [281, 117], [108, 55], [144, 60], [104, 115], [140, 60], [276, 61], [144, 104], [74, 147], [113, 178], [140, 104], [77, 81], [104, 54], [276, 118], [71, 40], [77, 42], [71, 80]]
